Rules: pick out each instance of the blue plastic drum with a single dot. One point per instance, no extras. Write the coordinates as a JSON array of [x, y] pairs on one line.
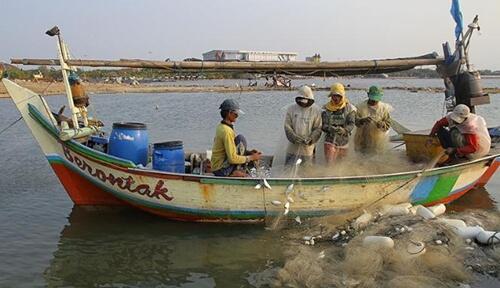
[[169, 156], [129, 141]]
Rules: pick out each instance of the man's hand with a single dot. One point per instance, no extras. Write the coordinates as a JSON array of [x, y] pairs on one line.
[[382, 125], [364, 121], [339, 130], [255, 156], [307, 141]]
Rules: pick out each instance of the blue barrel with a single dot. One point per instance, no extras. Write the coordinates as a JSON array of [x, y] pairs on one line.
[[129, 141], [168, 156]]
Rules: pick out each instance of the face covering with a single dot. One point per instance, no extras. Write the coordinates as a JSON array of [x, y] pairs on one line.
[[302, 102]]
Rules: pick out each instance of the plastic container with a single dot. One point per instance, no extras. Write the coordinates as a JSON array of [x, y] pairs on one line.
[[488, 237], [169, 156], [469, 232], [98, 143], [422, 147], [129, 141]]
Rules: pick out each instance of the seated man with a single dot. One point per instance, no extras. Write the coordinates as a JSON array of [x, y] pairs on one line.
[[463, 134], [229, 151]]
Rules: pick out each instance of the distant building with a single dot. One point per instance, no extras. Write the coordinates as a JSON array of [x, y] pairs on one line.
[[254, 56], [316, 58]]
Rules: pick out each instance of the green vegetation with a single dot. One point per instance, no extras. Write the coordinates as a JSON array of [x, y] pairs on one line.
[[51, 73]]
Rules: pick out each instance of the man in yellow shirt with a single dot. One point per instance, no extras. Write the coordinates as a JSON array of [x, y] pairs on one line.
[[229, 151]]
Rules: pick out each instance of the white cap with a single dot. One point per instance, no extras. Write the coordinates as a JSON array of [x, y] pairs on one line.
[[460, 113], [306, 92]]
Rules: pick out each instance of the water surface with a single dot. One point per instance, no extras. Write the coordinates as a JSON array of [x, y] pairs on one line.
[[45, 241]]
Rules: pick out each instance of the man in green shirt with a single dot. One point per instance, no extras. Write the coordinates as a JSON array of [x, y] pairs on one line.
[[229, 151]]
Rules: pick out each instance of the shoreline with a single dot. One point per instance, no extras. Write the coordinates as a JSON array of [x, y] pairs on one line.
[[57, 88]]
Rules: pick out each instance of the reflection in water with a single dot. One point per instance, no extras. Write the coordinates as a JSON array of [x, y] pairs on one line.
[[110, 247], [478, 198]]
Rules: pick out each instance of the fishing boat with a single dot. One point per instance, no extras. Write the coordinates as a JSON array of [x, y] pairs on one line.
[[94, 177]]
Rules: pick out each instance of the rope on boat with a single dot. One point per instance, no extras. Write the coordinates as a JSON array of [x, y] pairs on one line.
[[10, 125]]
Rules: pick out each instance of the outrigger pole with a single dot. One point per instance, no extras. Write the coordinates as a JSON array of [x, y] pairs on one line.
[[360, 67]]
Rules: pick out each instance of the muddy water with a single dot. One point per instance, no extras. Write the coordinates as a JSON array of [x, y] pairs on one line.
[[45, 241]]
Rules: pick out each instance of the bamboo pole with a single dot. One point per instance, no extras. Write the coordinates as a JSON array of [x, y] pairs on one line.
[[298, 67]]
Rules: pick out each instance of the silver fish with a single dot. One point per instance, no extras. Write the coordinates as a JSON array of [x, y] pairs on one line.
[[297, 219], [298, 162], [264, 181], [258, 186], [287, 208], [276, 203], [289, 189]]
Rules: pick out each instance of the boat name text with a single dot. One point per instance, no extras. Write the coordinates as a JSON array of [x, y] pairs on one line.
[[128, 183]]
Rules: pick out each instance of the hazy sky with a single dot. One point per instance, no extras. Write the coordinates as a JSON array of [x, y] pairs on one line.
[[160, 29]]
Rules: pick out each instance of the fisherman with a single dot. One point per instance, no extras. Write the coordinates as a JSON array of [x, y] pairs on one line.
[[338, 119], [463, 134], [229, 151], [302, 127], [372, 121]]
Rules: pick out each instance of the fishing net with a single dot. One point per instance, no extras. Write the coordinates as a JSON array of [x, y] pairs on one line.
[[344, 261]]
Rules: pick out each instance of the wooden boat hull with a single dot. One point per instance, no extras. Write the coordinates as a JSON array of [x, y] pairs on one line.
[[94, 178]]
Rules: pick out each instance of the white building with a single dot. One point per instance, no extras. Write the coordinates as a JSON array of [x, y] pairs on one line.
[[242, 55]]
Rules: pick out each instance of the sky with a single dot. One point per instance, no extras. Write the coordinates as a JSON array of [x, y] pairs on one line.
[[160, 29]]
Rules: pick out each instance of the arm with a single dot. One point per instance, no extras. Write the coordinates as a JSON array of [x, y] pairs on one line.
[[316, 129], [385, 123], [440, 123], [290, 134], [350, 122], [230, 147], [471, 147], [324, 125]]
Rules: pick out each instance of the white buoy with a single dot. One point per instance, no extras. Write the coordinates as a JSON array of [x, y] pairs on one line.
[[488, 237], [437, 209], [425, 213], [362, 221], [276, 203], [469, 232], [378, 242], [395, 210], [455, 223]]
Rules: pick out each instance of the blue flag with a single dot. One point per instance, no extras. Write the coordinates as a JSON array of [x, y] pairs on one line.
[[457, 16]]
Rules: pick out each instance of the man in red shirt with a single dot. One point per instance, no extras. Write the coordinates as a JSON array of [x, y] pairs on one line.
[[463, 134]]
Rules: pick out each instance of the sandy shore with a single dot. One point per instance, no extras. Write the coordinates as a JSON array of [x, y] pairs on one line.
[[57, 88]]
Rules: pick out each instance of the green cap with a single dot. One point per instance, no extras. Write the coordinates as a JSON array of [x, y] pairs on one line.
[[375, 93]]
